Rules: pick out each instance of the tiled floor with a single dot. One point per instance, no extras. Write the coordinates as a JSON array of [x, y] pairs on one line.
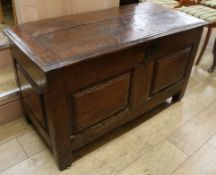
[[180, 140]]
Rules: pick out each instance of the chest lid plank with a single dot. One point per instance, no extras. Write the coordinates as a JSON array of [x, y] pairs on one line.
[[58, 42]]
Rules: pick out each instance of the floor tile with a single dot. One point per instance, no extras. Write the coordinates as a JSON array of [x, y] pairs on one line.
[[212, 141], [40, 164], [196, 132], [111, 157], [192, 85], [201, 163], [163, 124], [205, 94], [161, 160], [201, 73], [10, 154], [107, 159], [13, 129], [31, 143]]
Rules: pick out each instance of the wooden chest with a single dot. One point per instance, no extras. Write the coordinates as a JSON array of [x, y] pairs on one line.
[[81, 76]]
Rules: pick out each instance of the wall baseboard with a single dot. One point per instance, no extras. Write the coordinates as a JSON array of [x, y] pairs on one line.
[[10, 111], [10, 105]]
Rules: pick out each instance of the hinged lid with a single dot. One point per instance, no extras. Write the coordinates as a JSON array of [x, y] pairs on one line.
[[62, 41]]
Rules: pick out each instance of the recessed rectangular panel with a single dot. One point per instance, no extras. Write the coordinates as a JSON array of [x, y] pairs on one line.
[[32, 97], [101, 101], [170, 69]]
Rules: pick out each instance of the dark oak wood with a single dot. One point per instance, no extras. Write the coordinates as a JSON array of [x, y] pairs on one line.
[[84, 75], [205, 44], [97, 107], [164, 78], [214, 59], [126, 2]]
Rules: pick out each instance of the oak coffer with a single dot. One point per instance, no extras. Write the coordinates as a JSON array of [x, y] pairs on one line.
[[83, 75]]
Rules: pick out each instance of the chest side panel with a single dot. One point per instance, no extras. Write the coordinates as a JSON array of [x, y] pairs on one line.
[[32, 82]]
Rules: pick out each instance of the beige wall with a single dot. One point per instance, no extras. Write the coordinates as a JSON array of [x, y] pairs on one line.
[[31, 10], [78, 6]]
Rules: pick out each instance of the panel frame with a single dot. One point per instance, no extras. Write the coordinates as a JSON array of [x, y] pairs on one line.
[[169, 58], [98, 86], [38, 92]]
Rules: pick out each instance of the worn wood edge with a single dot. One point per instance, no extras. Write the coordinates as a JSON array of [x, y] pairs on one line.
[[23, 46], [94, 53]]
